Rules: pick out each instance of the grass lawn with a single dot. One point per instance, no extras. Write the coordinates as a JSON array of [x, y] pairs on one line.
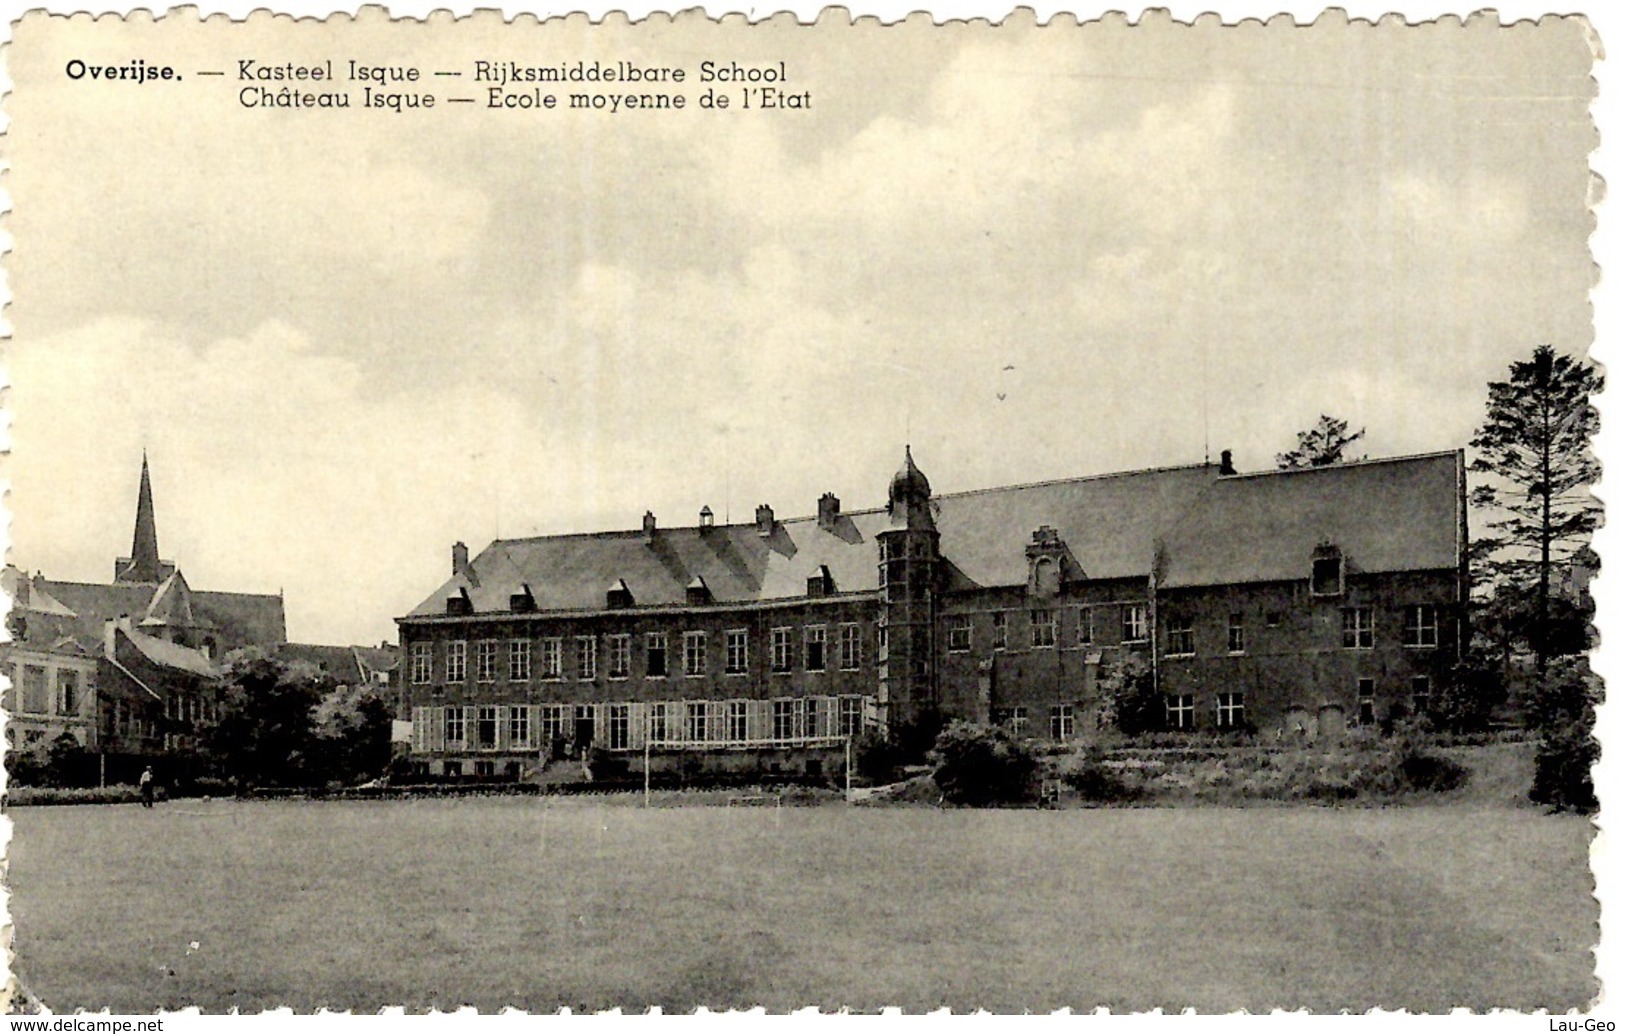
[[543, 903]]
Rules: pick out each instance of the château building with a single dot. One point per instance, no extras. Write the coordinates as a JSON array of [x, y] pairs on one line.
[[1284, 600]]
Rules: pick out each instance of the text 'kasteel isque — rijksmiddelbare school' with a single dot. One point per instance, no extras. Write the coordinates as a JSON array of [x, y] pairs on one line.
[[1279, 600]]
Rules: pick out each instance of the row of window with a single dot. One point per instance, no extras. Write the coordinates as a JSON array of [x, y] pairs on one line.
[[1420, 628], [623, 726], [548, 655], [35, 694]]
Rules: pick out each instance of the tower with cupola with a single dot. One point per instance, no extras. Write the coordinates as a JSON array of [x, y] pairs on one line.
[[910, 578]]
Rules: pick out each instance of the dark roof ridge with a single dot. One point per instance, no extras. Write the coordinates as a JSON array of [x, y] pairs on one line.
[[154, 586], [803, 519], [1073, 480], [1408, 458]]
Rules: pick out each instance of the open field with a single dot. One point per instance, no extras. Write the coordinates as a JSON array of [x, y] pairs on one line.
[[540, 903]]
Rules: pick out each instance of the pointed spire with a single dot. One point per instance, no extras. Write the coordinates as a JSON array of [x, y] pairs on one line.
[[144, 564]]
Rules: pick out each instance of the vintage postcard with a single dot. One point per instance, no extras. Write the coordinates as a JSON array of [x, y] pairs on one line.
[[1040, 511]]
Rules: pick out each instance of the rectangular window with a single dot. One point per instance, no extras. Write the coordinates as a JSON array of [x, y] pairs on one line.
[[620, 656], [1181, 637], [1357, 629], [620, 726], [1231, 712], [738, 720], [959, 633], [809, 717], [1134, 623], [1001, 630], [1237, 635], [1018, 721], [67, 682], [486, 728], [693, 654], [1181, 709], [781, 650], [784, 719], [555, 724], [1043, 628], [657, 723], [552, 658], [454, 726], [1060, 721], [1421, 695], [519, 660], [849, 716], [1273, 619], [456, 661], [1422, 625], [1326, 577], [737, 656], [851, 647], [485, 660], [36, 693], [654, 648], [586, 730], [1366, 701], [697, 728], [422, 664], [519, 728], [813, 642], [1086, 625], [586, 657]]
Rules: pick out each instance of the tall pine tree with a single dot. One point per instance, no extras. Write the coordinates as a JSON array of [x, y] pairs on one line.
[[1535, 449]]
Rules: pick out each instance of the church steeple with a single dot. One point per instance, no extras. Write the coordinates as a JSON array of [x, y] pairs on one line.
[[143, 565]]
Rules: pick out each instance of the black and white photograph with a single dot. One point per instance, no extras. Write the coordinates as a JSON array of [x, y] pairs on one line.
[[1039, 511]]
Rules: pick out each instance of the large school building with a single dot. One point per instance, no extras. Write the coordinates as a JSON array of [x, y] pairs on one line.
[[1296, 599]]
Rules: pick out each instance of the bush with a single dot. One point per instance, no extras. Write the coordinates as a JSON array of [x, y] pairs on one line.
[[980, 765], [1088, 774], [1563, 769], [874, 757]]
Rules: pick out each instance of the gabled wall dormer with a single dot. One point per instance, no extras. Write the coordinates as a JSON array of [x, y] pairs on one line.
[[1326, 570], [1048, 562]]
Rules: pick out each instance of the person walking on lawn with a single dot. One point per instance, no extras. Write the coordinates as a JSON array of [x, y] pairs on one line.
[[146, 787]]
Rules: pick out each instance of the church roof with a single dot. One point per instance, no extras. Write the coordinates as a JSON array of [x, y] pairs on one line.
[[237, 618]]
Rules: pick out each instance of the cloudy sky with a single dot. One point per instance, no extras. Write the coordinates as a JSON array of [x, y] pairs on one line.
[[347, 340]]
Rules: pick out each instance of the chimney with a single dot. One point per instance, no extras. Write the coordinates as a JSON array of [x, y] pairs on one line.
[[829, 509], [459, 559], [1225, 464], [707, 518], [764, 520], [648, 527]]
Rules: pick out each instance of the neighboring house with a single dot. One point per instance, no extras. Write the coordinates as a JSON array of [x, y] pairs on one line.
[[1287, 599], [128, 667]]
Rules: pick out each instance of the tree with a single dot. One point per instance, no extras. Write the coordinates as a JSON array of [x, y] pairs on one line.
[[264, 733], [352, 726], [1128, 695], [1535, 451], [1321, 445]]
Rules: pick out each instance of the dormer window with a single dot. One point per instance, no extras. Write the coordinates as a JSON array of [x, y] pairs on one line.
[[618, 596], [698, 592], [820, 582], [460, 603], [1045, 556], [1326, 573], [523, 601]]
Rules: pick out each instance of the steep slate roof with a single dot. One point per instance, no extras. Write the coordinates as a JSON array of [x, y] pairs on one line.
[[239, 618], [1107, 521], [165, 654], [1398, 514]]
